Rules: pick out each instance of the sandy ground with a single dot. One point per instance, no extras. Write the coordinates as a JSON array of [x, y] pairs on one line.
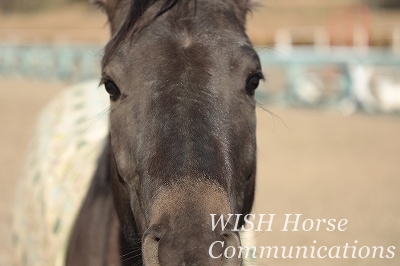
[[323, 165], [318, 164]]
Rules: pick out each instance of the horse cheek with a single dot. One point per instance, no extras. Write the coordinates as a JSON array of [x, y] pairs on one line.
[[248, 195], [122, 203]]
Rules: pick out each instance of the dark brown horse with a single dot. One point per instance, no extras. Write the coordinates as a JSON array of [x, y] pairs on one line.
[[181, 75]]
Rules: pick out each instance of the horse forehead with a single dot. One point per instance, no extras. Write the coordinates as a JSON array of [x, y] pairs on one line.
[[216, 34], [187, 41], [186, 54]]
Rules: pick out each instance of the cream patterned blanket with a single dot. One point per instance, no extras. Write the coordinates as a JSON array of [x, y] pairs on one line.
[[67, 141]]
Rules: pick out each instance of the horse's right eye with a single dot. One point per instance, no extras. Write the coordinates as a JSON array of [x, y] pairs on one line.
[[112, 90], [252, 83]]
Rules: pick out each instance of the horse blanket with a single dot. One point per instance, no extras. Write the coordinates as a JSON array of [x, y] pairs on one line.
[[67, 142]]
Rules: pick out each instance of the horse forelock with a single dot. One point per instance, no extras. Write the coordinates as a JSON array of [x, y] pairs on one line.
[[134, 23], [141, 13]]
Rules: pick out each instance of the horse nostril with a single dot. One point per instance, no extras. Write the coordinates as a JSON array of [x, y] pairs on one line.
[[230, 236], [226, 236], [231, 244], [150, 245]]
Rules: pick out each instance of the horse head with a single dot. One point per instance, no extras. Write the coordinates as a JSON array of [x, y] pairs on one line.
[[181, 76]]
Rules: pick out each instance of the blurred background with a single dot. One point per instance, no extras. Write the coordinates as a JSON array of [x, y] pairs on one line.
[[328, 130]]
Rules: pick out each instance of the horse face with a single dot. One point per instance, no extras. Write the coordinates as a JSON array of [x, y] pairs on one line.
[[182, 128]]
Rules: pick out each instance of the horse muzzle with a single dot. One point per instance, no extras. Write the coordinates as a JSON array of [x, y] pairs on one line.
[[181, 230], [198, 249]]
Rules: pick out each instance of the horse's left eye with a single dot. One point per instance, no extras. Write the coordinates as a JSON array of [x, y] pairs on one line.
[[252, 83], [112, 89]]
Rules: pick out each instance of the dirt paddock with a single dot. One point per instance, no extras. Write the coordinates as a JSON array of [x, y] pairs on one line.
[[315, 163]]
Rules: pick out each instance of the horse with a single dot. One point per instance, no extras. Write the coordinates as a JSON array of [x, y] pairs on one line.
[[181, 77]]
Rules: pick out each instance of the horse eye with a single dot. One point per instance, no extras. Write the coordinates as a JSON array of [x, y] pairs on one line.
[[252, 83], [112, 89]]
